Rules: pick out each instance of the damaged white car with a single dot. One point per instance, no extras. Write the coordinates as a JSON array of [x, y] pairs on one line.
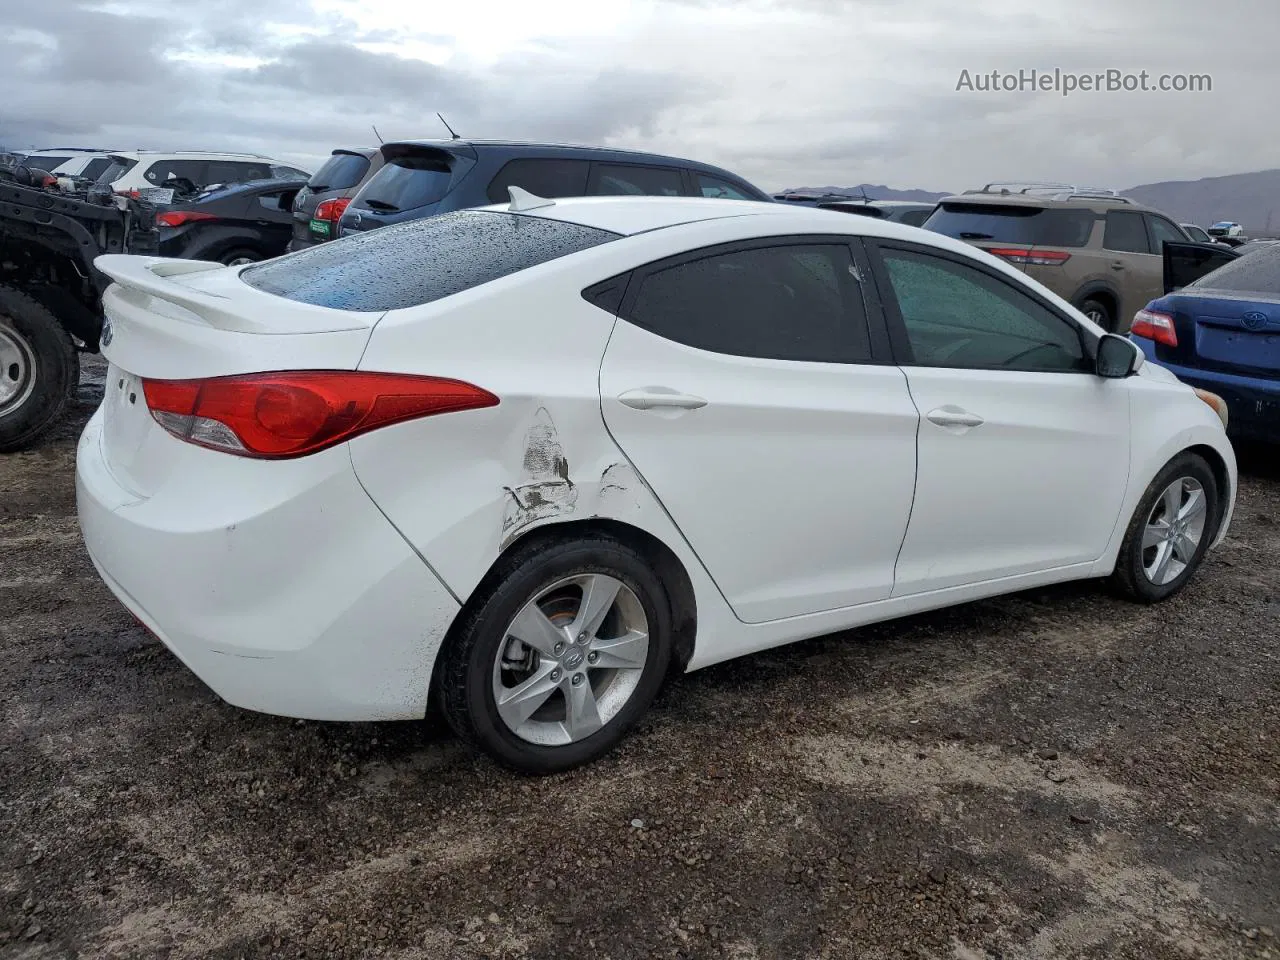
[[528, 460]]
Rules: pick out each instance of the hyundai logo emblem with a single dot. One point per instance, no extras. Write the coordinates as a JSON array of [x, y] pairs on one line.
[[1254, 320], [105, 338]]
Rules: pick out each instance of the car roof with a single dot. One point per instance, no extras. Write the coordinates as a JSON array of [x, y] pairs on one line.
[[192, 155], [533, 148], [632, 215], [253, 186], [1045, 203]]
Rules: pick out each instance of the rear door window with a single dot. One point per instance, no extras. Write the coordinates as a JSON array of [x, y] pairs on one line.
[[164, 170], [235, 171], [407, 183], [624, 179], [1013, 223], [1126, 232], [541, 176], [1163, 231], [409, 264], [720, 189], [785, 302], [914, 218], [341, 171]]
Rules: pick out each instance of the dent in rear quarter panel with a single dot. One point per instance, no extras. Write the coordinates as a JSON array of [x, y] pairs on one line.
[[463, 487], [1167, 418]]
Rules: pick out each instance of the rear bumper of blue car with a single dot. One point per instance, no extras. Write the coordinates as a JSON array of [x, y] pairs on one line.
[[1253, 403]]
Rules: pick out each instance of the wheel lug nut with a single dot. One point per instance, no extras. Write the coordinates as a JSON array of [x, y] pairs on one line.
[[592, 657], [555, 676], [559, 648], [582, 638], [577, 679]]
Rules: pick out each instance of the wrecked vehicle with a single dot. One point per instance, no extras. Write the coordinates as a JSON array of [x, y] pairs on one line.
[[50, 291], [493, 460]]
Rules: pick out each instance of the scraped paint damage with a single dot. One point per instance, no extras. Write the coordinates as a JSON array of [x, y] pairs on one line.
[[545, 489]]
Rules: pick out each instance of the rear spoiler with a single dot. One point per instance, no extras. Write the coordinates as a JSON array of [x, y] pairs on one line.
[[150, 275], [158, 277]]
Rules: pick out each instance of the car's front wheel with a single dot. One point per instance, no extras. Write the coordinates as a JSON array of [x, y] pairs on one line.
[[1170, 531], [564, 652]]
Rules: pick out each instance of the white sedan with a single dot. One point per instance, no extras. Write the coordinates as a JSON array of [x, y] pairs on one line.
[[526, 461]]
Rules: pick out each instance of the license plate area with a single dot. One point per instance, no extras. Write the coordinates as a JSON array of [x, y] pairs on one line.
[[321, 228], [126, 421]]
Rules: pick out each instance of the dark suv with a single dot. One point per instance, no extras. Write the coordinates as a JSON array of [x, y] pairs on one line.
[[425, 177]]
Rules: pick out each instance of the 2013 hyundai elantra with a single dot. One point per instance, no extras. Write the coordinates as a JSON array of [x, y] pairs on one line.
[[527, 460]]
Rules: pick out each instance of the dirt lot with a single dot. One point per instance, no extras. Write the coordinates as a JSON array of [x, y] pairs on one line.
[[1056, 774]]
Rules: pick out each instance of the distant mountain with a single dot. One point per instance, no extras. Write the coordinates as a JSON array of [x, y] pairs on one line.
[[875, 191], [1250, 199]]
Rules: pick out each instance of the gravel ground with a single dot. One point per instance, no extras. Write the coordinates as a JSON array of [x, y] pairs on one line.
[[1055, 774]]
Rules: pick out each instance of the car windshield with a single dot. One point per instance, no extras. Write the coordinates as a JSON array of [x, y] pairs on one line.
[[406, 183], [413, 263], [342, 171], [1010, 223], [1255, 273]]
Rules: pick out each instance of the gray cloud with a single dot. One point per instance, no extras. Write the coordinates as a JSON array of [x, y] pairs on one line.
[[782, 91]]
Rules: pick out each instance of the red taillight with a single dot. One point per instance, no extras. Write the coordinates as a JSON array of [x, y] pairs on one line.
[[176, 218], [332, 209], [290, 414], [1042, 258], [1155, 326]]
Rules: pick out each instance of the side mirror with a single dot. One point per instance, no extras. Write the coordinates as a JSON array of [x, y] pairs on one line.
[[1118, 357]]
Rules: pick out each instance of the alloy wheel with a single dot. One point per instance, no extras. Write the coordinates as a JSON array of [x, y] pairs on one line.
[[1173, 531], [570, 660]]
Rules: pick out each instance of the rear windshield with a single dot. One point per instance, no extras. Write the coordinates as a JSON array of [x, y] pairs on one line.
[[1257, 271], [406, 183], [1032, 226], [413, 263], [342, 171], [119, 167]]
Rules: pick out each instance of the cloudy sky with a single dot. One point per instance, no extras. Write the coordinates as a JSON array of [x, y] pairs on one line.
[[783, 92]]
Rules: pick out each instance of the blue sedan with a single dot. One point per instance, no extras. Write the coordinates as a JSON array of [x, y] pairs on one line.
[[1218, 328]]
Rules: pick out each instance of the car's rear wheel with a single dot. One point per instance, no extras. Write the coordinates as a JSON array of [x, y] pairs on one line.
[[1170, 531], [1099, 313], [39, 369], [564, 652]]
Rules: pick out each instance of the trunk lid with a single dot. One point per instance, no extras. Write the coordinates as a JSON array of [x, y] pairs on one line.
[[1237, 333], [186, 319]]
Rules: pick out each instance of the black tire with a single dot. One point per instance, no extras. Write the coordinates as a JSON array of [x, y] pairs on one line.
[[240, 253], [44, 375], [465, 678], [1130, 578], [1098, 312]]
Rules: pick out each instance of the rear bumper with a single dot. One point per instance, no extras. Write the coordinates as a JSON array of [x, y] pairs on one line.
[[1253, 404], [301, 601]]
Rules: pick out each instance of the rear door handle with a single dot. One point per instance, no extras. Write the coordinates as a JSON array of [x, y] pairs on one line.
[[652, 398], [954, 417], [1117, 265]]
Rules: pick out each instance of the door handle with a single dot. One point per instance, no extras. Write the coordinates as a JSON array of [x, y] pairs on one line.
[[954, 417], [651, 398], [1117, 265]]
